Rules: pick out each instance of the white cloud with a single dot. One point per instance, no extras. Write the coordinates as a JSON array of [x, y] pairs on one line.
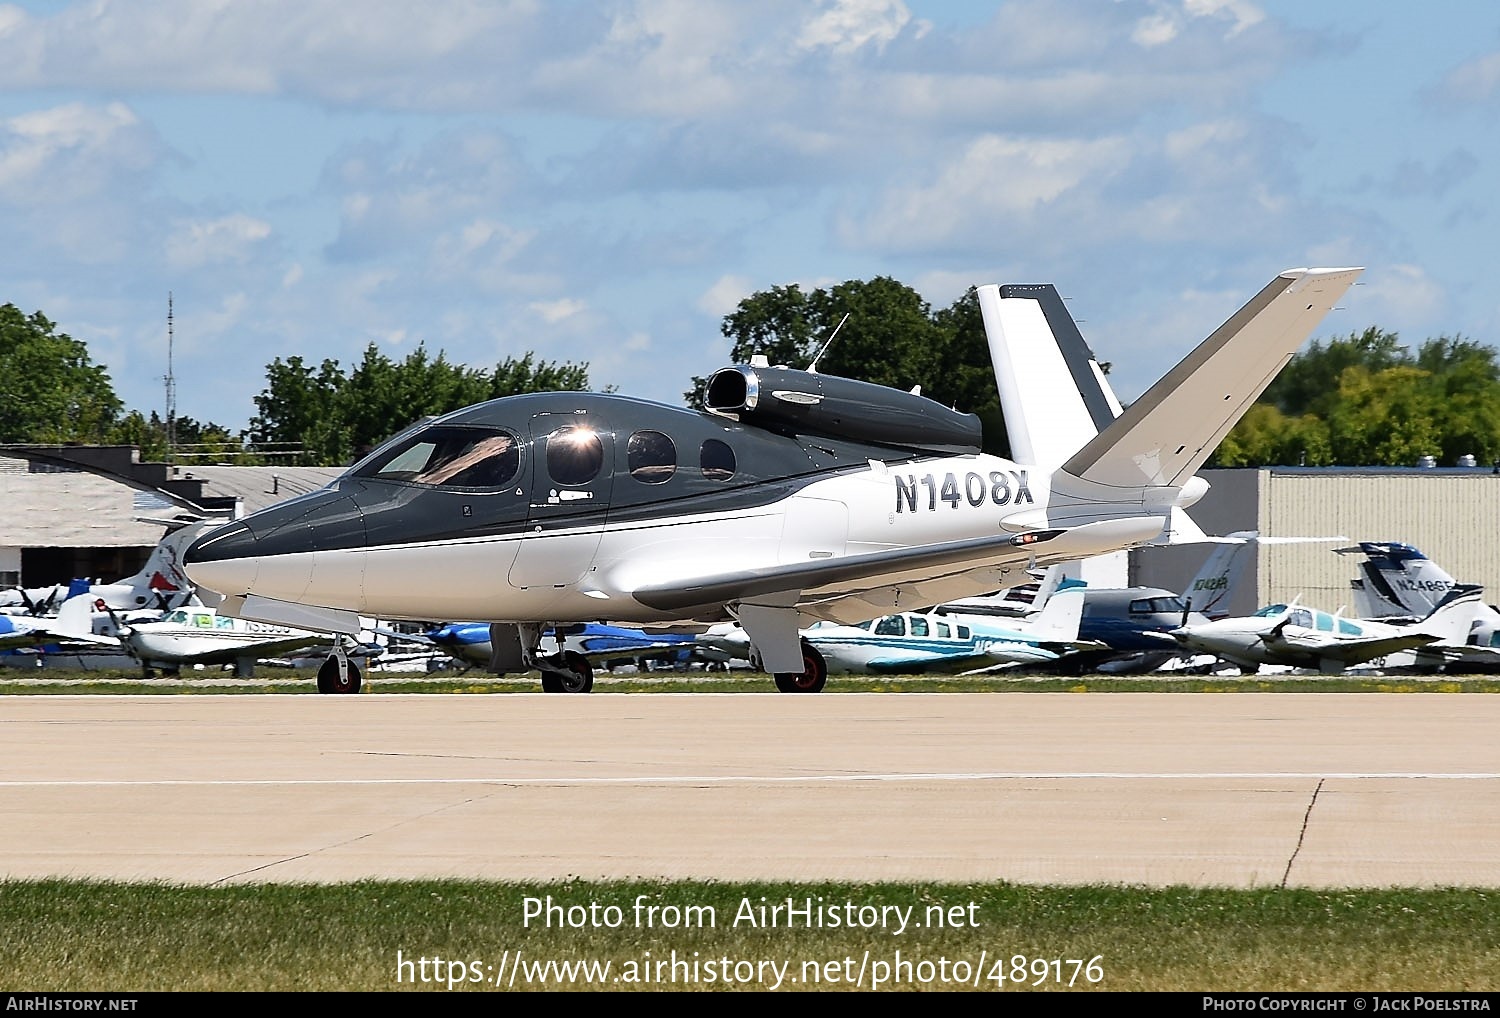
[[60, 154], [851, 25], [1475, 81], [994, 182], [554, 311], [1396, 295], [725, 295], [202, 242]]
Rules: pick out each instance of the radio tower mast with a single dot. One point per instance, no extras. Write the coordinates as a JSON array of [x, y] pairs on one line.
[[171, 390]]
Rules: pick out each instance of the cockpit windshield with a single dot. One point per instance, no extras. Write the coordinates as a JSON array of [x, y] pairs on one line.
[[447, 455]]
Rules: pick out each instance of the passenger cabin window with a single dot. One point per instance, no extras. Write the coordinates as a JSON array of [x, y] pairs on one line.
[[574, 455], [942, 630], [918, 626], [652, 457], [716, 460], [1348, 628], [450, 456]]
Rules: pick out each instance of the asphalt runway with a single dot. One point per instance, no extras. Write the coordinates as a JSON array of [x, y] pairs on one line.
[[1241, 790]]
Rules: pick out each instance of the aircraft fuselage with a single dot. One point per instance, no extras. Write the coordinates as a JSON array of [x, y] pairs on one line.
[[559, 506]]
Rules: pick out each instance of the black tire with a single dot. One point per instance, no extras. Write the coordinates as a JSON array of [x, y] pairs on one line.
[[578, 679], [330, 681], [812, 678]]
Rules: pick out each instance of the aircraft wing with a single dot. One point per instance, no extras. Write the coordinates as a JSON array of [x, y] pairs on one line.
[[1359, 651], [867, 576]]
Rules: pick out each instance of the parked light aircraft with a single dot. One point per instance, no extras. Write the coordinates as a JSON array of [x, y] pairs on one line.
[[796, 497], [161, 583], [470, 642], [1303, 637], [73, 623], [195, 634], [1398, 584], [917, 642]]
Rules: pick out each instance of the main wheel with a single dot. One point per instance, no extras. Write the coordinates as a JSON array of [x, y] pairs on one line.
[[812, 678], [331, 681], [579, 678]]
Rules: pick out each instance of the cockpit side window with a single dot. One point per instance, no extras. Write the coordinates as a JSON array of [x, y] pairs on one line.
[[652, 457], [449, 456], [717, 460], [574, 455]]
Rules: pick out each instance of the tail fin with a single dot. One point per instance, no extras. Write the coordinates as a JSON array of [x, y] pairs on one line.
[[161, 583], [1146, 461], [1208, 593], [1454, 616], [76, 617], [1059, 619], [1052, 389], [1397, 579]]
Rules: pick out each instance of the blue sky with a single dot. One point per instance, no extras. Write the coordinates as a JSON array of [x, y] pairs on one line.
[[602, 182]]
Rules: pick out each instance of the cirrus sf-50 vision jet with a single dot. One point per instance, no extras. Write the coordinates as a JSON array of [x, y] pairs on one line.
[[795, 497]]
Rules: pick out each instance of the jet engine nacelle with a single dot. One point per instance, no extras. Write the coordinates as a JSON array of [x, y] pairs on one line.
[[803, 403]]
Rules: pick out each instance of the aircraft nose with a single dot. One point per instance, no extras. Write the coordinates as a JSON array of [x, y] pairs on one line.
[[224, 560]]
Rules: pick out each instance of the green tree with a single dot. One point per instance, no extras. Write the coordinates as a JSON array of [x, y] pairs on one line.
[[50, 391], [337, 417], [1267, 437], [1388, 417], [1308, 383], [297, 408]]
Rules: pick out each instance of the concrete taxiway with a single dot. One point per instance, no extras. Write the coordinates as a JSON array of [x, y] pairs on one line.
[[1235, 790]]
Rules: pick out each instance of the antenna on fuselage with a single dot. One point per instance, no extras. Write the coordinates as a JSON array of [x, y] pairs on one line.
[[812, 369]]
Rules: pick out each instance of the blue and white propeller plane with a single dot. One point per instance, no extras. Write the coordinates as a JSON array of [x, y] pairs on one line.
[[796, 497], [916, 642], [470, 643]]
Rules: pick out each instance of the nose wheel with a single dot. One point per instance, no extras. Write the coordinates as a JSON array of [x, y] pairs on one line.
[[812, 678]]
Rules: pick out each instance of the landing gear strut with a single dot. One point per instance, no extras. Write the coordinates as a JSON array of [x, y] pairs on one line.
[[812, 678]]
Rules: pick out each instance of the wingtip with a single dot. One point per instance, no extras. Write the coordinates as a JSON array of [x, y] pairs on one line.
[[1304, 273]]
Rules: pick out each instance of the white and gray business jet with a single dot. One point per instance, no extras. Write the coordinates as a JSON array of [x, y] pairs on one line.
[[796, 497]]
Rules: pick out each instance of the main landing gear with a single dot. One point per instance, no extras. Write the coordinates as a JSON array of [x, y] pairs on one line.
[[812, 678], [562, 672], [575, 676], [338, 674]]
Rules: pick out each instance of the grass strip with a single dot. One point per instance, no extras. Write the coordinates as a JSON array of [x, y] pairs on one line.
[[466, 936]]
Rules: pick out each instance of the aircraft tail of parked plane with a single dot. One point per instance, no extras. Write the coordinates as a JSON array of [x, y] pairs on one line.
[[1058, 620], [1396, 580]]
